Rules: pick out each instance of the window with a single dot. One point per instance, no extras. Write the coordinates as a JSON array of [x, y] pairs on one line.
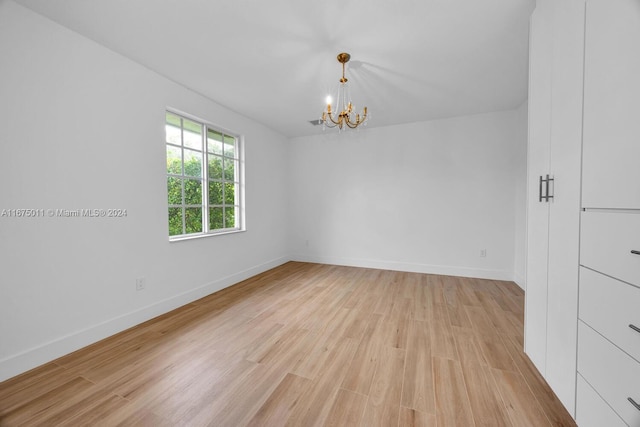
[[203, 178]]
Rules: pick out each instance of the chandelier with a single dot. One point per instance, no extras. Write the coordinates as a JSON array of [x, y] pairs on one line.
[[343, 114]]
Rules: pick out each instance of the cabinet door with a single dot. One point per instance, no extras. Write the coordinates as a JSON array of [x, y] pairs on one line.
[[564, 219], [538, 164], [611, 152]]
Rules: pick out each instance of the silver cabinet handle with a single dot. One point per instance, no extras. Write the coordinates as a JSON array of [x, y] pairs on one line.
[[634, 403], [546, 181], [540, 189], [549, 196], [635, 252], [635, 328]]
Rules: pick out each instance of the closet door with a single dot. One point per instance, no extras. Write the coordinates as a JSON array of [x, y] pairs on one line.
[[540, 53], [611, 156], [554, 173], [564, 220]]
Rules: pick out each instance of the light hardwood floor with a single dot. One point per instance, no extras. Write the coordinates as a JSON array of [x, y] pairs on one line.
[[302, 345]]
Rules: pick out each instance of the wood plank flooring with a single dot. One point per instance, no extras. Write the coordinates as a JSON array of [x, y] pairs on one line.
[[306, 345]]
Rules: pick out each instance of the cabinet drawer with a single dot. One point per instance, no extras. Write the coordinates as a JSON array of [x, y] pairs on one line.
[[610, 306], [591, 410], [613, 374], [606, 242]]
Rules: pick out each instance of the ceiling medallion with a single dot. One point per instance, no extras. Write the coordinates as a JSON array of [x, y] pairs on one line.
[[343, 113]]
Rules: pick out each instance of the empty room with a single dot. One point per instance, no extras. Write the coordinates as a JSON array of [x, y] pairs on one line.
[[413, 213]]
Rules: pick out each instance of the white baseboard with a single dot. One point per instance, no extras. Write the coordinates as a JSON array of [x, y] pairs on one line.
[[519, 280], [444, 270], [29, 359]]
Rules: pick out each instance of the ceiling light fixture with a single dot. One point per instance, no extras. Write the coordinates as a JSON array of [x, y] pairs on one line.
[[345, 116]]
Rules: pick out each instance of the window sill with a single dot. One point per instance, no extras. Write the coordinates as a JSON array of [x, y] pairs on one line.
[[203, 235]]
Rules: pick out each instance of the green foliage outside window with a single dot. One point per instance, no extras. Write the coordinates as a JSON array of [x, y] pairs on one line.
[[185, 175]]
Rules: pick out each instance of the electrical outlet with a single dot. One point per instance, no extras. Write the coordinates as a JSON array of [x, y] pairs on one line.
[[141, 283], [483, 253]]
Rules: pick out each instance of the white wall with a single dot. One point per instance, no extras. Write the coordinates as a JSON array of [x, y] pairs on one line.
[[520, 164], [423, 197], [82, 127]]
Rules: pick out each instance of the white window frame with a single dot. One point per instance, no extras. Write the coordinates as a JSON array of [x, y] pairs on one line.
[[205, 204]]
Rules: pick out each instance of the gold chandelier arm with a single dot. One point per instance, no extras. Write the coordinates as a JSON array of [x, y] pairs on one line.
[[333, 121], [359, 120], [328, 114]]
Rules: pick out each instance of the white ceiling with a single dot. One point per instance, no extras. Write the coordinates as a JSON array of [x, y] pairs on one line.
[[275, 61]]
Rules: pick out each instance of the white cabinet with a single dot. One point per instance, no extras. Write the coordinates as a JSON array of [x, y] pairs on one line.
[[609, 303], [554, 149], [611, 108], [584, 134]]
